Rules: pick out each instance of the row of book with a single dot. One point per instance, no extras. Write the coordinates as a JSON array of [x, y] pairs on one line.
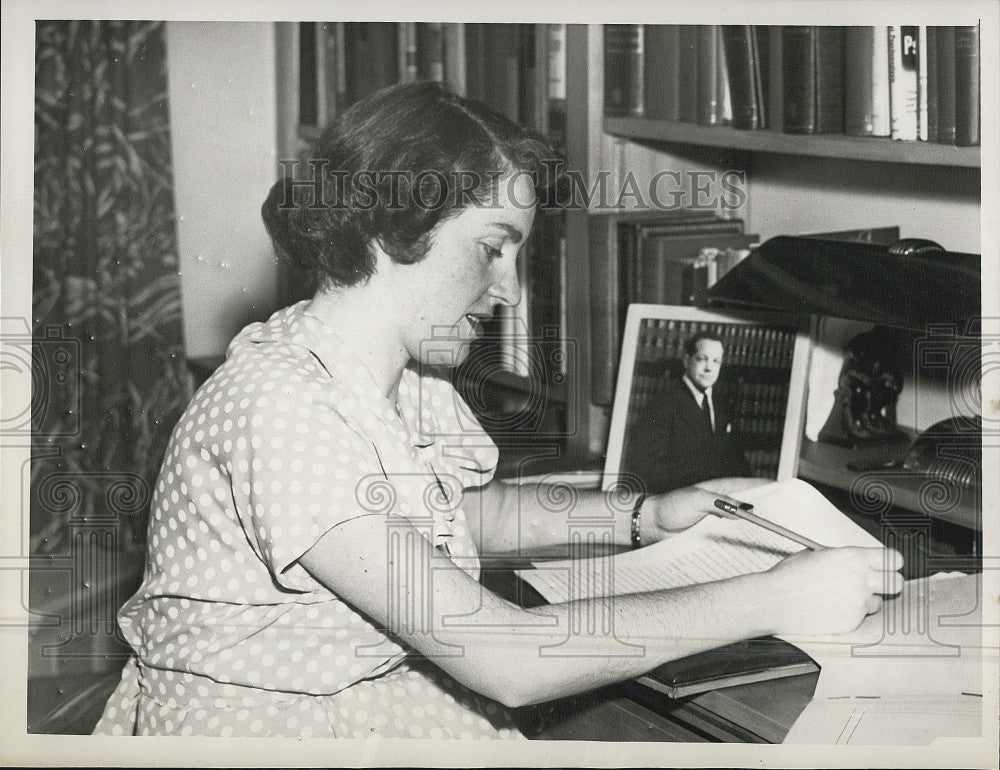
[[762, 399], [764, 462], [663, 339], [649, 257], [517, 69], [904, 82]]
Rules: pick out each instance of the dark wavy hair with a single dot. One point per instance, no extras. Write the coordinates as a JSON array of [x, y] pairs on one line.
[[691, 344], [390, 169]]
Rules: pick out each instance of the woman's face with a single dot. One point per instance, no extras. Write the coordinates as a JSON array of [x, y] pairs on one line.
[[470, 269]]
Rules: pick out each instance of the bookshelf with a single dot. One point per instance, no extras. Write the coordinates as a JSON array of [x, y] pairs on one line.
[[838, 146], [904, 182]]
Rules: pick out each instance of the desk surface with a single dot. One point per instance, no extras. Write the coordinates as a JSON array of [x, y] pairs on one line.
[[760, 712]]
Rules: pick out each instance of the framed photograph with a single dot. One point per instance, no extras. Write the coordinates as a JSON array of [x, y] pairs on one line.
[[753, 368]]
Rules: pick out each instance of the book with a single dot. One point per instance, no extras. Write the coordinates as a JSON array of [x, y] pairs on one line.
[[922, 106], [812, 79], [371, 57], [530, 91], [967, 84], [475, 56], [866, 78], [555, 50], [945, 69], [710, 109], [904, 80], [829, 53], [613, 251], [430, 51], [407, 51], [752, 660], [501, 77], [931, 98], [667, 261], [623, 78], [309, 73], [545, 267], [744, 75], [335, 97], [453, 38], [771, 75], [722, 85], [661, 71], [687, 105]]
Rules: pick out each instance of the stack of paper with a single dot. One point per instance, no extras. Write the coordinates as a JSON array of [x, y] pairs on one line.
[[908, 675], [713, 549]]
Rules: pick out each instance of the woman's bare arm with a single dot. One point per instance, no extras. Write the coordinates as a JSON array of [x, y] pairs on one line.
[[518, 656], [507, 517]]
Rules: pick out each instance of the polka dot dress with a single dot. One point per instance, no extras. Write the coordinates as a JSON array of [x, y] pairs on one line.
[[288, 438]]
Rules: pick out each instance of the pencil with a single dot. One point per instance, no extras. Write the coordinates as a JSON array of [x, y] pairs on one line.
[[743, 511]]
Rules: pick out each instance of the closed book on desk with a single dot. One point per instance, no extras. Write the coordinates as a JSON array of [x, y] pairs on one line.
[[753, 660]]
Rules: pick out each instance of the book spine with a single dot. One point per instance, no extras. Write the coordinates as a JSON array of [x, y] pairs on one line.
[[946, 84], [830, 80], [526, 73], [725, 103], [661, 70], [563, 304], [430, 51], [967, 86], [744, 87], [370, 58], [454, 58], [333, 62], [604, 331], [859, 76], [774, 81], [407, 51], [475, 57], [798, 75], [556, 82], [922, 83], [623, 77], [903, 82], [500, 69], [929, 52], [709, 107], [881, 114], [760, 45], [687, 95]]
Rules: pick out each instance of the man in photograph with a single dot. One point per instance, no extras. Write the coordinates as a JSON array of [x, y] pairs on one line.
[[688, 433]]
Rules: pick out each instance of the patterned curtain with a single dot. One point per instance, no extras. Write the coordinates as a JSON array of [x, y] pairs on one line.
[[109, 374]]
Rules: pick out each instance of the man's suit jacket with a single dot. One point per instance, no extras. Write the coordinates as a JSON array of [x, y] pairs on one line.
[[673, 446]]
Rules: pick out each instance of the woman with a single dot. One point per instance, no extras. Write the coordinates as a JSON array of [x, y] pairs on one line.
[[316, 528]]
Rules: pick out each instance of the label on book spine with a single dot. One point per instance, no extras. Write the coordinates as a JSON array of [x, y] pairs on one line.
[[903, 81]]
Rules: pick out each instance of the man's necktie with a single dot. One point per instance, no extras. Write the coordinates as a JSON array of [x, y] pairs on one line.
[[706, 410]]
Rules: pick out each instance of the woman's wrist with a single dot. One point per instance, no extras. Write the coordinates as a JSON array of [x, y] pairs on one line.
[[635, 525]]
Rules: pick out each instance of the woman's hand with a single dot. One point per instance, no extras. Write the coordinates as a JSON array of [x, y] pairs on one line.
[[830, 591], [667, 514]]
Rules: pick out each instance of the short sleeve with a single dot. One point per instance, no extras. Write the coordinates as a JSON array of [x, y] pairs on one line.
[[445, 417], [304, 469]]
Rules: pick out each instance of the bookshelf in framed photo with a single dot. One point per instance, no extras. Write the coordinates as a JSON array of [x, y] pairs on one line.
[[757, 400]]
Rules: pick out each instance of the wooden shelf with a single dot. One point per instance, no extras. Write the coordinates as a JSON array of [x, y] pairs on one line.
[[827, 464], [871, 149]]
